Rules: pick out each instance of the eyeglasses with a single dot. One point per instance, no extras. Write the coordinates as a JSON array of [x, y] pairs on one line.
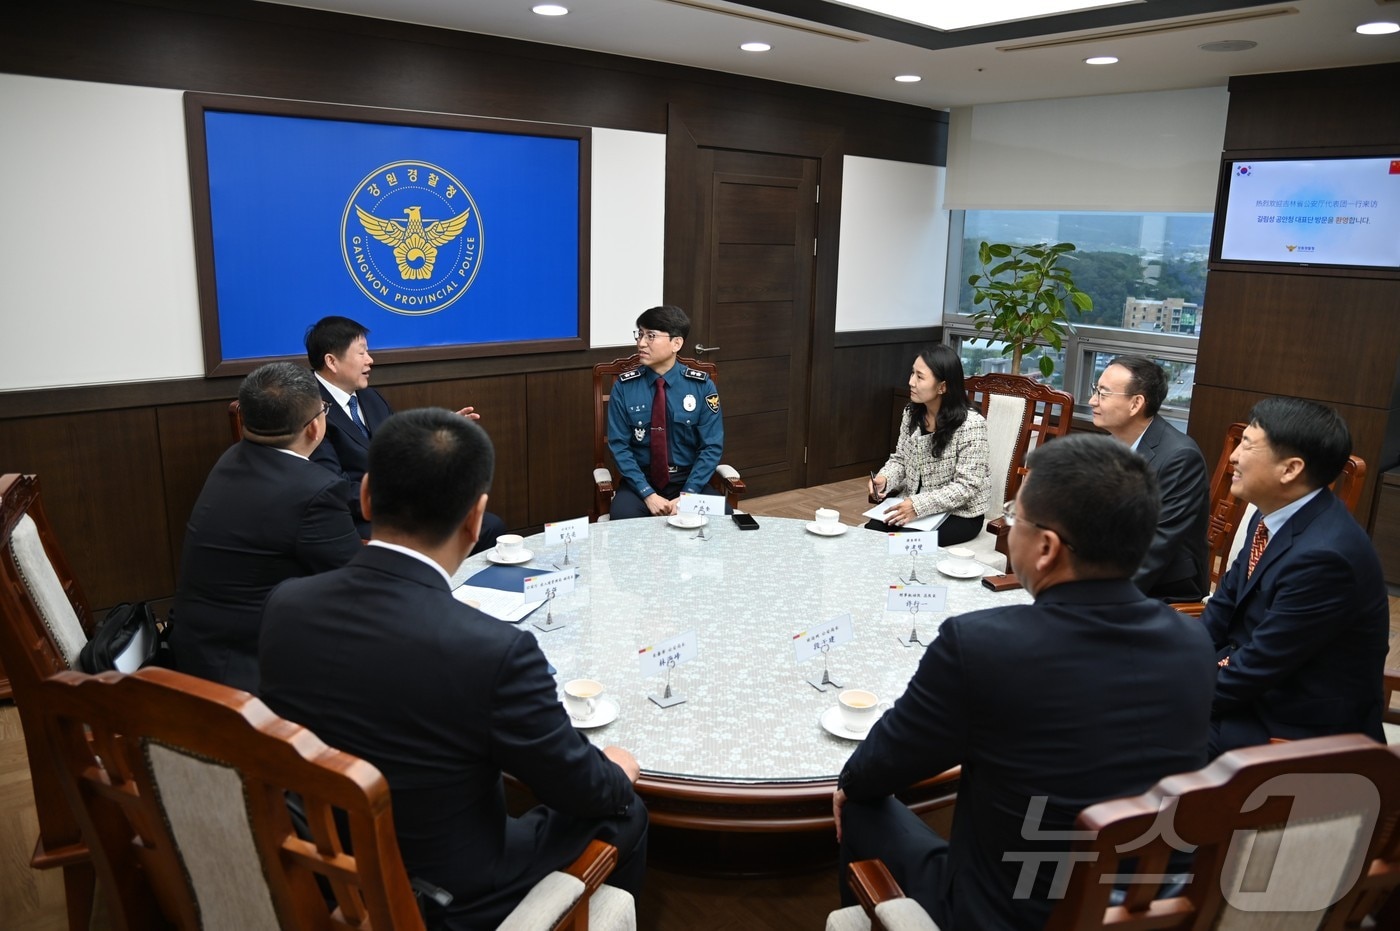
[[648, 336], [325, 409], [1008, 512], [1103, 392]]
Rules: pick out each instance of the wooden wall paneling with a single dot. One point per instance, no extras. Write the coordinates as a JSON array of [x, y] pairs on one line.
[[559, 445], [104, 494], [1213, 409], [501, 403], [192, 438], [1334, 108], [1310, 336], [855, 436]]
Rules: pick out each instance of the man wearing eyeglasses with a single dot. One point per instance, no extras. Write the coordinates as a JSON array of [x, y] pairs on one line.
[[266, 514], [664, 424], [1093, 692], [1125, 402]]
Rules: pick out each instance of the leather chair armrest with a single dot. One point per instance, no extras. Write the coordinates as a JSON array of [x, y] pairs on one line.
[[998, 528]]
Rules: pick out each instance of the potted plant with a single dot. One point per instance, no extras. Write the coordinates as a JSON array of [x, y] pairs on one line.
[[1024, 295]]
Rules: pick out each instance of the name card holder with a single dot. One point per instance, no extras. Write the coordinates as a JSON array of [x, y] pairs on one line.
[[704, 505], [912, 599], [820, 641], [911, 545], [667, 655], [546, 588], [565, 532]]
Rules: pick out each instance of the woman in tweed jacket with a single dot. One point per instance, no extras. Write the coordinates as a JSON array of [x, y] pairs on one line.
[[940, 463]]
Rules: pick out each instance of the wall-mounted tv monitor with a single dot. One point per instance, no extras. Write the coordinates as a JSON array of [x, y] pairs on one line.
[[1312, 211]]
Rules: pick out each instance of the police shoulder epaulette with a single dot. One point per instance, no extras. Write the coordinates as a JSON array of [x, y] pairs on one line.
[[696, 374], [628, 376]]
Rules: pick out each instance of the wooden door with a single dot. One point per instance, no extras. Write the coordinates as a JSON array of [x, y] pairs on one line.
[[754, 313]]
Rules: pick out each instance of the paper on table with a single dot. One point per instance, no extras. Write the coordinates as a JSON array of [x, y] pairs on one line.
[[505, 606], [930, 522]]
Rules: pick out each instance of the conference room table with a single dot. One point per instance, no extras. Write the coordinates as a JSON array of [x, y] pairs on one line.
[[746, 749]]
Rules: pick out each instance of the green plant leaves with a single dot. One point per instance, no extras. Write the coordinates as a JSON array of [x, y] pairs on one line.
[[1033, 305]]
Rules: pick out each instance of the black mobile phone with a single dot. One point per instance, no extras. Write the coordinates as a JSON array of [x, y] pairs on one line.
[[745, 521]]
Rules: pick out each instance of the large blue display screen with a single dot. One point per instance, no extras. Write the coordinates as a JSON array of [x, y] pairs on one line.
[[429, 236]]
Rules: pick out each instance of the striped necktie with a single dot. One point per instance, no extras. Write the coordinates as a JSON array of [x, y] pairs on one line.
[[1256, 548], [355, 417]]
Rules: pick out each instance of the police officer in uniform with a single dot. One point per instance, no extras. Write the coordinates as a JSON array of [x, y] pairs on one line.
[[662, 449]]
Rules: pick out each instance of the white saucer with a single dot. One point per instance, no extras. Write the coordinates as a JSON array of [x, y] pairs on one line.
[[496, 557], [831, 723], [605, 712], [824, 530], [688, 521], [960, 570]]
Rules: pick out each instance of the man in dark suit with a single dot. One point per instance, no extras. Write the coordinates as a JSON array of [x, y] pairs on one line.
[[1301, 620], [1125, 402], [379, 660], [266, 514], [1093, 692], [338, 350]]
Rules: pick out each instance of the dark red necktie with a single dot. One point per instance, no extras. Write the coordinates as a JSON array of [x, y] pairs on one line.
[[1256, 547], [660, 465]]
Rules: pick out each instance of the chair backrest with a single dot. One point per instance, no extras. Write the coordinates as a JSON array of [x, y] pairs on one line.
[[235, 420], [1288, 829], [1021, 414], [44, 623], [1228, 513], [604, 377], [180, 786]]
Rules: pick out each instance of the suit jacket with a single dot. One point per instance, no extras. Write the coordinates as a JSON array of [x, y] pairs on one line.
[[1177, 565], [1093, 692], [441, 698], [345, 450], [263, 517], [1306, 633]]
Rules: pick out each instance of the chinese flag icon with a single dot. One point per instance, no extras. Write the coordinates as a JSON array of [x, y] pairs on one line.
[[1395, 166]]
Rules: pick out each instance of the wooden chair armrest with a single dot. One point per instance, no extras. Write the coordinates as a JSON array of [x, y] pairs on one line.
[[998, 528], [872, 883], [1193, 608], [594, 865], [1392, 685]]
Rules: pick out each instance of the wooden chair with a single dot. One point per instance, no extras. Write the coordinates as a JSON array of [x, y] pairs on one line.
[[725, 481], [44, 623], [1275, 828], [235, 420], [1021, 414], [1228, 513], [180, 786]]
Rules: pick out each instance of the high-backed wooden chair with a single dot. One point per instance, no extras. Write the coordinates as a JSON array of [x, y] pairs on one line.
[[1228, 513], [1021, 414], [235, 420], [180, 786], [1304, 834], [725, 481], [44, 623]]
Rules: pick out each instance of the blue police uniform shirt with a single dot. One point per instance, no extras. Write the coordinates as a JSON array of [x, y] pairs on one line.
[[694, 427]]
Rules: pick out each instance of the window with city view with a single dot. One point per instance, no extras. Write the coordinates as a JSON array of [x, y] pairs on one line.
[[1146, 273]]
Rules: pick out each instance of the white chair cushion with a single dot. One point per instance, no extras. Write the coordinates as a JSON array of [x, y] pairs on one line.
[[727, 471], [848, 919], [904, 915], [546, 904], [1289, 875], [612, 909], [205, 807], [1392, 734], [1005, 415], [1239, 541], [32, 562]]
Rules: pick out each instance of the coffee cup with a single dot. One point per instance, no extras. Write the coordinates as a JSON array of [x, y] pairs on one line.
[[581, 698], [827, 517], [859, 709], [510, 545], [963, 556]]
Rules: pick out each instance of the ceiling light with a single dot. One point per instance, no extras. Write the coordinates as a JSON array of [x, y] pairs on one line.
[[908, 78], [949, 16], [1101, 60], [550, 9], [1378, 29], [755, 46]]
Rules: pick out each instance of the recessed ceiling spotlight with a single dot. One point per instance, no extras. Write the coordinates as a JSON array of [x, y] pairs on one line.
[[550, 9], [908, 78], [1228, 45], [1378, 29], [1101, 60], [755, 46]]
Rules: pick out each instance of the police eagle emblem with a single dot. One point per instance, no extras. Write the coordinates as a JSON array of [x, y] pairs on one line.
[[415, 245]]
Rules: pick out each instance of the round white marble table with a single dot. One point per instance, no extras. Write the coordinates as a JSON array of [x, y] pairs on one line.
[[749, 728]]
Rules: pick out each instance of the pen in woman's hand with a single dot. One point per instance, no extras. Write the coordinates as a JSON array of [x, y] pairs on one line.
[[876, 494]]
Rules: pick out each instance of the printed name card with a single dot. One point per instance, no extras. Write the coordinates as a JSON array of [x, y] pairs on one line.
[[564, 532], [550, 585], [911, 544], [700, 504], [677, 651], [917, 599], [817, 640]]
